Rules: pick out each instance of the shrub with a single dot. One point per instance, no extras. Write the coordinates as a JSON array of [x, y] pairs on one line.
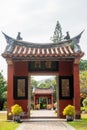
[[38, 106], [5, 105], [82, 109], [69, 110], [85, 102], [49, 106], [44, 106], [16, 109]]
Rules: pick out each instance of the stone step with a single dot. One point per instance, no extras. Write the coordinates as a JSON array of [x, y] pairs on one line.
[[42, 119]]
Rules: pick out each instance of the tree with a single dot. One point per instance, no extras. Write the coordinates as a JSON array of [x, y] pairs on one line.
[[85, 102], [34, 84], [83, 85], [57, 33], [45, 84], [3, 89], [83, 81], [83, 65], [49, 83]]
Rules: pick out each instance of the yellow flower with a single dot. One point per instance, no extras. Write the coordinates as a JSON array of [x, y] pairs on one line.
[[69, 110], [16, 109]]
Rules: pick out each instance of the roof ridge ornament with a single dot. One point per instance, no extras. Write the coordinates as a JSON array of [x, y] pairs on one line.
[[67, 37], [75, 42], [11, 43], [19, 36]]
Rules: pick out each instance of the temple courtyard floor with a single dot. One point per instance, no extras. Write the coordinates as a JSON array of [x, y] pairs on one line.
[[44, 120]]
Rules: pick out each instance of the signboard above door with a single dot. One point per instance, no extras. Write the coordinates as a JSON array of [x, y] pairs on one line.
[[43, 66]]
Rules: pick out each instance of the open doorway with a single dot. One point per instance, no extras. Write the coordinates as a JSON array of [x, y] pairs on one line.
[[43, 96]]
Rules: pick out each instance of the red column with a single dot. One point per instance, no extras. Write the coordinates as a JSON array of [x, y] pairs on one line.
[[10, 99], [34, 101], [76, 100], [52, 100]]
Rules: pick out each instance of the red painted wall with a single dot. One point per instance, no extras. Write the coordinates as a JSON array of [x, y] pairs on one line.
[[23, 103], [65, 69], [62, 104], [21, 69]]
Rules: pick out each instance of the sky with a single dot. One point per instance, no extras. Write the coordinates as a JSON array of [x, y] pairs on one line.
[[36, 20]]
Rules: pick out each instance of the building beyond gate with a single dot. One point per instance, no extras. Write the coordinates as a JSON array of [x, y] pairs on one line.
[[61, 59], [43, 98]]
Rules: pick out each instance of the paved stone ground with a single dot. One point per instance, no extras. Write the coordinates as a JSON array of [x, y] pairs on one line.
[[43, 113], [44, 123]]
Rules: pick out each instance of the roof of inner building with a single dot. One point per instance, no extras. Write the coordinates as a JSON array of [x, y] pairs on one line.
[[43, 91], [21, 50]]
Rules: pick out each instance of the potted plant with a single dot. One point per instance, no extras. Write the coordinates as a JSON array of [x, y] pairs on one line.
[[49, 106], [37, 106], [69, 111], [16, 111]]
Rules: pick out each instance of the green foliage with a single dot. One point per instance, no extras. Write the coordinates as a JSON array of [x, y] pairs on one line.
[[3, 85], [48, 83], [83, 79], [3, 89], [82, 109], [4, 95], [83, 65], [83, 85], [69, 110], [85, 102], [34, 83], [32, 106], [57, 33], [45, 84], [5, 105]]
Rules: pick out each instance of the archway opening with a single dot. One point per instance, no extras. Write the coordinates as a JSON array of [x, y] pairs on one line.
[[43, 96]]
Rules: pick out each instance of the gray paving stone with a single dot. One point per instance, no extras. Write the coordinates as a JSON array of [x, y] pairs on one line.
[[52, 125], [44, 123]]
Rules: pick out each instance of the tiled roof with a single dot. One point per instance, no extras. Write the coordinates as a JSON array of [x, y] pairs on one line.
[[21, 51], [42, 91], [17, 49]]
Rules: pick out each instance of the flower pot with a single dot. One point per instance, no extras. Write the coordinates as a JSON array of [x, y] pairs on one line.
[[69, 118], [16, 118]]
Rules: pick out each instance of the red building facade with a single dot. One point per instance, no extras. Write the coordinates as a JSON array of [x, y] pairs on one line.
[[43, 98], [60, 59]]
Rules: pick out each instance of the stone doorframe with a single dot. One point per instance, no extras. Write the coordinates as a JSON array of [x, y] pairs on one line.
[[57, 89]]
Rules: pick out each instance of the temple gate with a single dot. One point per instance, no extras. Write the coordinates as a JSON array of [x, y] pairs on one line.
[[61, 59]]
